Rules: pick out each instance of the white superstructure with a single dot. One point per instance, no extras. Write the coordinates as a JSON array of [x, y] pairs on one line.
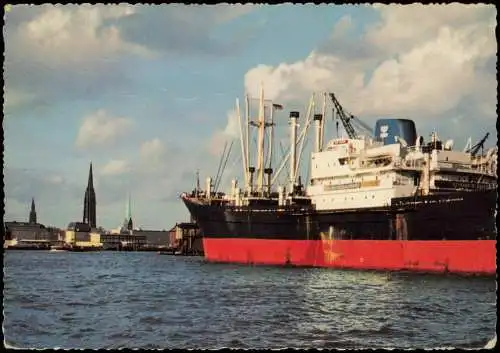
[[355, 172], [362, 173]]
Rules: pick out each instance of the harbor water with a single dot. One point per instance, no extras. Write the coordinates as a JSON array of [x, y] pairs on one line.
[[145, 300]]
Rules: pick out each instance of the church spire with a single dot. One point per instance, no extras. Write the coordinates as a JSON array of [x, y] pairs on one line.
[[90, 183], [32, 218], [89, 203], [128, 215]]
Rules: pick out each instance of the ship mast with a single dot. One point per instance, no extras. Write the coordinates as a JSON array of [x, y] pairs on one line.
[[269, 169], [293, 149], [322, 125], [263, 157], [261, 142], [243, 150], [249, 185], [310, 110], [198, 182]]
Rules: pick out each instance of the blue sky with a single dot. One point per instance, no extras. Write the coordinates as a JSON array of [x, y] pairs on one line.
[[147, 92]]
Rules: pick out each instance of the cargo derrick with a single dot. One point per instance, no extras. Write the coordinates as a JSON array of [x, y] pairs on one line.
[[347, 118]]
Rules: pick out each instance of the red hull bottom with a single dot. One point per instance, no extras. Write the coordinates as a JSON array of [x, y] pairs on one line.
[[467, 257]]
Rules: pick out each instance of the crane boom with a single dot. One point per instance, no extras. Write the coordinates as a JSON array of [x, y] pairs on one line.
[[348, 120], [474, 149], [343, 117]]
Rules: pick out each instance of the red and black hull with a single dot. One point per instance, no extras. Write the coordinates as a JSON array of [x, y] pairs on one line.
[[453, 233]]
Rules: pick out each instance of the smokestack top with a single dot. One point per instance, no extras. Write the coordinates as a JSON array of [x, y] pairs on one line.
[[318, 117], [294, 115]]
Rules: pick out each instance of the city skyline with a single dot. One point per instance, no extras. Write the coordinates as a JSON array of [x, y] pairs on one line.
[[148, 92]]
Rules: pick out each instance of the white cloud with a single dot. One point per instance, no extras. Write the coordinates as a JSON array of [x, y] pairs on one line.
[[422, 62], [56, 51], [403, 27], [221, 137], [288, 82], [52, 51], [152, 151], [73, 35], [342, 26], [115, 167], [101, 128]]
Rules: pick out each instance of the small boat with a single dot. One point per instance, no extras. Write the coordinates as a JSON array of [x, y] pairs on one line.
[[58, 250]]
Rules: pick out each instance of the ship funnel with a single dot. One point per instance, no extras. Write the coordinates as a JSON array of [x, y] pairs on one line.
[[317, 119], [293, 150]]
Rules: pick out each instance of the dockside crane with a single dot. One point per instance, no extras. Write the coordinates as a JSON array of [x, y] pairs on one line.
[[478, 146], [346, 119]]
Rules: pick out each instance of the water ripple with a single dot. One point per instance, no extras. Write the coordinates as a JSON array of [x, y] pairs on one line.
[[141, 300]]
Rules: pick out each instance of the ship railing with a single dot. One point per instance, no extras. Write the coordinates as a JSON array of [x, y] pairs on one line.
[[413, 148]]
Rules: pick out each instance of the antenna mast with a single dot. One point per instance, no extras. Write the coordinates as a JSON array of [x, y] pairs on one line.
[[260, 152], [197, 181], [247, 123], [243, 150], [323, 112], [310, 112]]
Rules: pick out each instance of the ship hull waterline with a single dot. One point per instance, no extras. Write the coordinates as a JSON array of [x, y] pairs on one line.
[[477, 257], [453, 233]]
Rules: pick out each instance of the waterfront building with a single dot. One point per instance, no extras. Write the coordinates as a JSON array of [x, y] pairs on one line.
[[81, 235], [127, 236], [77, 232], [154, 238], [122, 241], [89, 202], [186, 238], [29, 232]]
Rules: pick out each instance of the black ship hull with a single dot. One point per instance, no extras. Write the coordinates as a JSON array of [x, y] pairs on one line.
[[455, 232]]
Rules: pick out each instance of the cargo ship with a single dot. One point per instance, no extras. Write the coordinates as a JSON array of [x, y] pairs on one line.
[[376, 199]]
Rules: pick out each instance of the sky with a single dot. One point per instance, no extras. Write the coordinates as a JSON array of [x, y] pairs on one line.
[[147, 92]]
